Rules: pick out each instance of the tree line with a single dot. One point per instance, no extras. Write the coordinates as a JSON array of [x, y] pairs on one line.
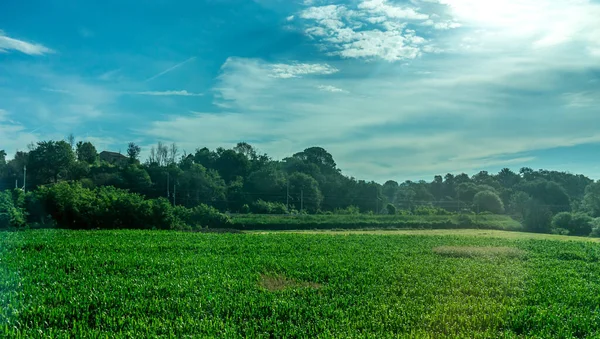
[[240, 180]]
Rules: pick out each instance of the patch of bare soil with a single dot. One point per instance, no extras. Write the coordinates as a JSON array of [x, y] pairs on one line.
[[280, 283], [475, 251]]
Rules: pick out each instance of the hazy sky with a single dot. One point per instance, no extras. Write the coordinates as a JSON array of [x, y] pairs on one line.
[[393, 89]]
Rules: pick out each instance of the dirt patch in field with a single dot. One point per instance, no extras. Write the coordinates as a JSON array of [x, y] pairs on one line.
[[280, 283], [477, 252]]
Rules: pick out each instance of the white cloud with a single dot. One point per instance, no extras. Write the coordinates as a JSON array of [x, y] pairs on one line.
[[295, 70], [349, 33], [329, 88], [168, 93], [382, 7], [9, 44], [289, 18]]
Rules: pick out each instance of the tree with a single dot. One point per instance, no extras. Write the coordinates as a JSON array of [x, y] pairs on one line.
[[71, 140], [268, 183], [391, 209], [507, 178], [50, 160], [86, 152], [318, 156], [133, 152], [562, 220], [231, 164], [489, 201], [246, 149], [548, 193], [518, 203], [305, 188], [2, 157], [537, 218], [591, 200], [390, 190], [173, 152]]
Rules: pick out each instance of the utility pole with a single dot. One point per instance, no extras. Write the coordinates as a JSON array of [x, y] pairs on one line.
[[24, 178], [301, 200], [175, 193], [287, 196], [16, 183], [168, 191]]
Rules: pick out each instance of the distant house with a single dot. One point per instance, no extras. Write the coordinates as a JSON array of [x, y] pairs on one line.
[[113, 157]]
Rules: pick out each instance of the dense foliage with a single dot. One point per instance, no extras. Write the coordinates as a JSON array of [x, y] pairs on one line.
[[143, 284], [239, 180]]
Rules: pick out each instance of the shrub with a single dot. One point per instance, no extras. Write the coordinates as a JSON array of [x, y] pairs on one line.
[[430, 210], [391, 209], [73, 206], [12, 213], [560, 231], [573, 223], [465, 220], [581, 224], [350, 210], [204, 215], [595, 228], [265, 207], [562, 220], [245, 209], [489, 202]]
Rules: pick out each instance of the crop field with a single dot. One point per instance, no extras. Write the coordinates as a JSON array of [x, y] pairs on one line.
[[135, 284]]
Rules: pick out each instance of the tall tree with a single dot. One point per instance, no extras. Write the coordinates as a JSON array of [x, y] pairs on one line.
[[133, 152], [390, 190], [86, 152], [50, 160]]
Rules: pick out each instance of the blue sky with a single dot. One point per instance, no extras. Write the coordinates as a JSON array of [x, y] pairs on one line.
[[393, 89]]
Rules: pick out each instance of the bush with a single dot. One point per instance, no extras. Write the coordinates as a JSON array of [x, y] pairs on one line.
[[562, 220], [465, 220], [391, 209], [350, 210], [245, 209], [581, 224], [73, 206], [430, 210], [265, 207], [207, 216], [12, 213], [573, 223], [560, 231], [489, 202]]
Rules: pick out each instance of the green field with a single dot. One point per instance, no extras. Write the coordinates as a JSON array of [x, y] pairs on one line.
[[174, 284]]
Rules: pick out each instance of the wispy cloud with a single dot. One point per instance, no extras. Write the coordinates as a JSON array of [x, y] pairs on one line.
[[170, 69], [183, 93], [294, 70], [56, 90], [329, 88], [9, 44]]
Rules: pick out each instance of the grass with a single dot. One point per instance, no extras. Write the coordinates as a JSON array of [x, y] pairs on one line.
[[131, 284]]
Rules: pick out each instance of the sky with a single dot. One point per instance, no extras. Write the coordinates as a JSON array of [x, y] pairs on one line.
[[392, 89]]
